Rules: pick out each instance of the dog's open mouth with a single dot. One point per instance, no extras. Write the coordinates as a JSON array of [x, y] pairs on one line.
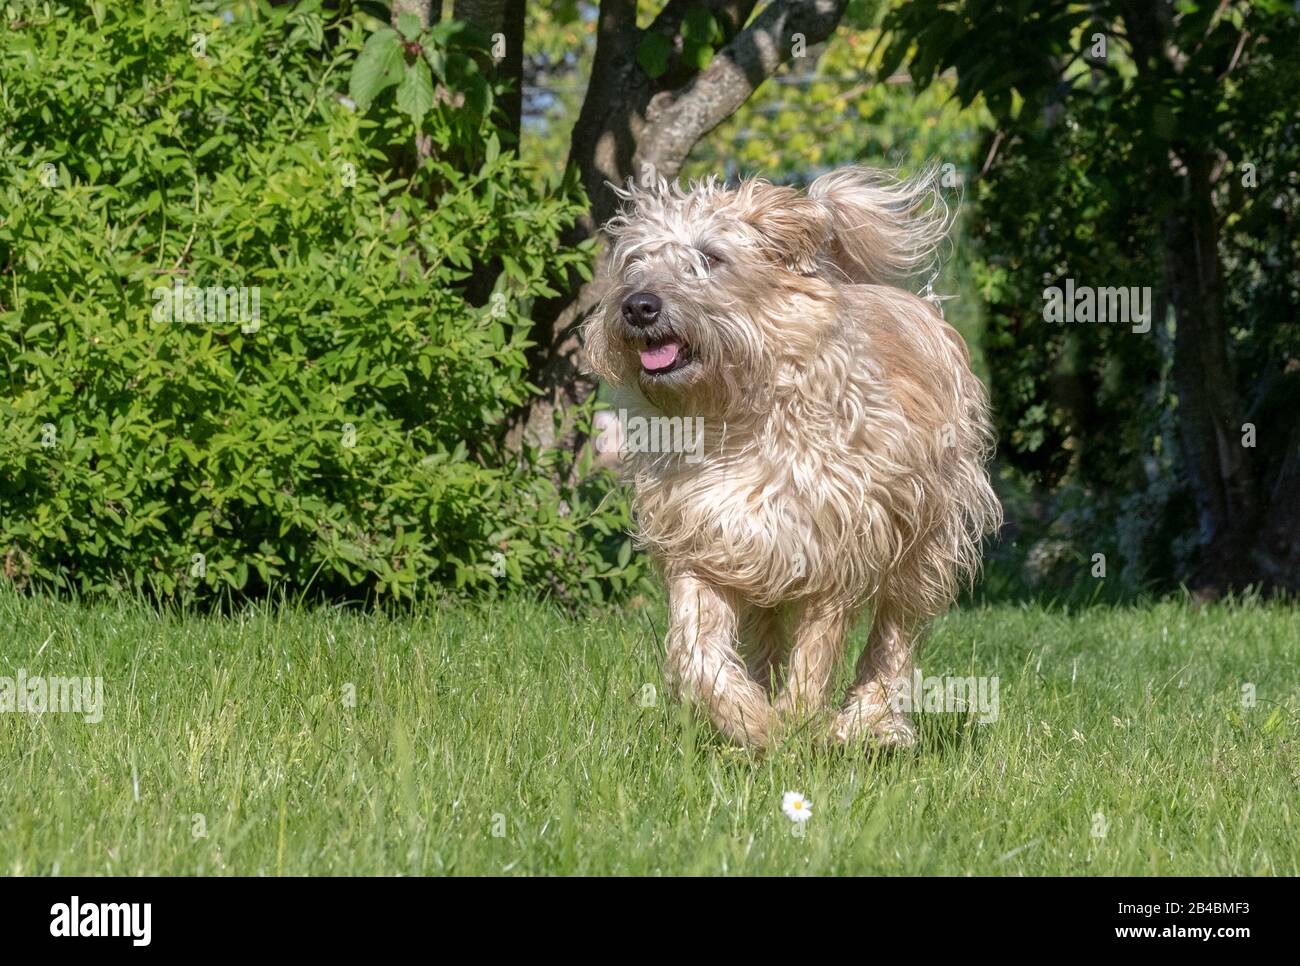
[[662, 356]]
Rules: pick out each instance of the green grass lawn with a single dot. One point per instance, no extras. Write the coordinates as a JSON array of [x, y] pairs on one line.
[[228, 746]]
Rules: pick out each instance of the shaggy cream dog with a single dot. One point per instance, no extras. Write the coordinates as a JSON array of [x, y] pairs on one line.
[[844, 438]]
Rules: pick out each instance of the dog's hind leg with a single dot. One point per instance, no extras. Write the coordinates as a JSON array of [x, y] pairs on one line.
[[885, 666], [762, 642], [818, 642], [704, 665]]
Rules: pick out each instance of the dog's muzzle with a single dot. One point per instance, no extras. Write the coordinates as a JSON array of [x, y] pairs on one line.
[[662, 351]]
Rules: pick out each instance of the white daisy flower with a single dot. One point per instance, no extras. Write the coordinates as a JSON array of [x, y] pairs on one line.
[[796, 807]]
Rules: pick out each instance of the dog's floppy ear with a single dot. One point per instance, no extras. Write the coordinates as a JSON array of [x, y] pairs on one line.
[[794, 225], [882, 229]]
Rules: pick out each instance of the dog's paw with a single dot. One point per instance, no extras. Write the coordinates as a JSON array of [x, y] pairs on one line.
[[895, 731], [882, 729]]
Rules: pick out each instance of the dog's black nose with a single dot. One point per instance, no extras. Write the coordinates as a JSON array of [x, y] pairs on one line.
[[641, 308]]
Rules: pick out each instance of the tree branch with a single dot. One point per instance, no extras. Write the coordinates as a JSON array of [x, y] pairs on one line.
[[676, 120]]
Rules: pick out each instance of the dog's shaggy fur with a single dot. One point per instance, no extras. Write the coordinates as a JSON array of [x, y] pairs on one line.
[[845, 438]]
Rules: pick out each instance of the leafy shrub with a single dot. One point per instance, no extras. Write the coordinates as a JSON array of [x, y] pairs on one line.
[[340, 426]]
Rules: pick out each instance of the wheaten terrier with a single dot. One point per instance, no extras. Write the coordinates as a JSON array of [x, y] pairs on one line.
[[844, 446]]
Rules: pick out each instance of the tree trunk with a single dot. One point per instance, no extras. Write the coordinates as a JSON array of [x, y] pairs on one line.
[[424, 9], [503, 23], [1210, 412]]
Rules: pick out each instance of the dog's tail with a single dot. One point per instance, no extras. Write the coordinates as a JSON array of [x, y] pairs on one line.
[[884, 230]]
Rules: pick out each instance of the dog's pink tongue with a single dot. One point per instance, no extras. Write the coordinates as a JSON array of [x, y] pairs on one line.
[[660, 356]]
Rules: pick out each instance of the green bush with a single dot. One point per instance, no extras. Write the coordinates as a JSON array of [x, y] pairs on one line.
[[348, 439]]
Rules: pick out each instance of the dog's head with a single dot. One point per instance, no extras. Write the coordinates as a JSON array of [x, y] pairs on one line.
[[711, 288]]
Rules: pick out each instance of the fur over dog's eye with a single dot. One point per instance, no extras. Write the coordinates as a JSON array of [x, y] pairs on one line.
[[711, 261]]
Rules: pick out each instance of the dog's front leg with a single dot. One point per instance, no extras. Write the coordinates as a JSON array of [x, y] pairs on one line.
[[818, 643], [872, 710], [703, 663]]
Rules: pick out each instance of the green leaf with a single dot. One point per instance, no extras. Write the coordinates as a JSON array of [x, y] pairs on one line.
[[408, 25], [437, 61], [415, 93], [700, 32], [378, 66], [653, 53]]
